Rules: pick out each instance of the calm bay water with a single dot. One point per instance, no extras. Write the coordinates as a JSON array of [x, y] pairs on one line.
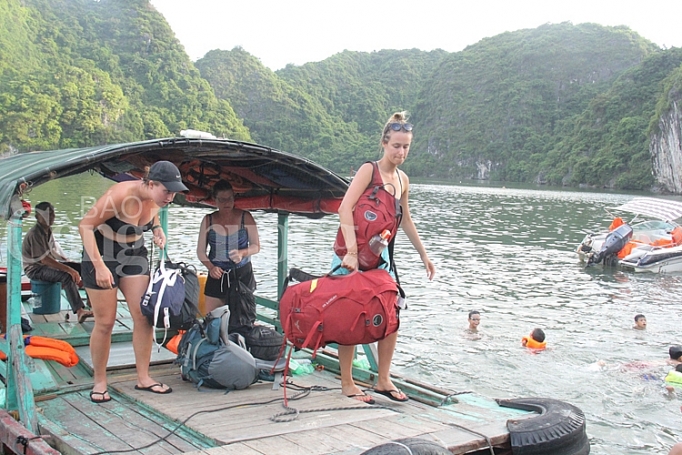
[[509, 254]]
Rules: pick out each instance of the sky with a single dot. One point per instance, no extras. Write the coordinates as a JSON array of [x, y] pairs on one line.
[[301, 31]]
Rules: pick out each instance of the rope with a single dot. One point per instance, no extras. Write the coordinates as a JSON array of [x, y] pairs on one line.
[[24, 441], [453, 394], [305, 391]]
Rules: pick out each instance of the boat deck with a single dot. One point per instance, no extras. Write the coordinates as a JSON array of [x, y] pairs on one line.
[[318, 420]]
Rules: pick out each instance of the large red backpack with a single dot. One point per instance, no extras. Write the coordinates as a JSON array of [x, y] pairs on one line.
[[376, 210], [357, 308]]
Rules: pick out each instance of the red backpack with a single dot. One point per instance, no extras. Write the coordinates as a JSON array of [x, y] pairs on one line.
[[357, 308], [375, 211]]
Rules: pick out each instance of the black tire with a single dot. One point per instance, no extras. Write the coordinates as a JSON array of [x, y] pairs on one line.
[[408, 446], [558, 430]]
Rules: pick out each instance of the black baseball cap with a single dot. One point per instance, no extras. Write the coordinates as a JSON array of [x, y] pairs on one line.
[[168, 175]]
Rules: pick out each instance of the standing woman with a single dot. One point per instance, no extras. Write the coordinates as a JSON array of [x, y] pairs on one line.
[[115, 257], [395, 144], [232, 238]]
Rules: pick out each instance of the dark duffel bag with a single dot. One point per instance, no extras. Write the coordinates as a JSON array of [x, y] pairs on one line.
[[264, 342]]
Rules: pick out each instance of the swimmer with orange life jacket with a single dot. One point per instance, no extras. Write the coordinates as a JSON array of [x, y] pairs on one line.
[[535, 340]]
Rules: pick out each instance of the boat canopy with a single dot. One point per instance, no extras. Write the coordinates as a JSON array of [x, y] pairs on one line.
[[660, 209], [262, 178]]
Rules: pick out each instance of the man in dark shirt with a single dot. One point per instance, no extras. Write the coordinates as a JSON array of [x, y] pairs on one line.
[[44, 261]]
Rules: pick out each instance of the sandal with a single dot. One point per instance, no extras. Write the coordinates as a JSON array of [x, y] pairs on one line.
[[104, 398]]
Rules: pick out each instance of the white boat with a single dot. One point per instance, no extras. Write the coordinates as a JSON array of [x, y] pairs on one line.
[[650, 242]]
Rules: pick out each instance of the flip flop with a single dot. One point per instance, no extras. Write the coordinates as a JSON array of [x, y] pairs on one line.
[[390, 394], [104, 398], [85, 315], [358, 395], [151, 389]]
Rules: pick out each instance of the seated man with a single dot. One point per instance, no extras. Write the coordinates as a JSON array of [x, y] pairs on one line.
[[44, 262]]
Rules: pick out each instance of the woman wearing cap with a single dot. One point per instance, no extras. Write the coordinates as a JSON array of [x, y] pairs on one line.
[[115, 257], [395, 143]]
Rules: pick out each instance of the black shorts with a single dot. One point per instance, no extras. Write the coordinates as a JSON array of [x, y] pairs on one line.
[[235, 289], [121, 258], [219, 288]]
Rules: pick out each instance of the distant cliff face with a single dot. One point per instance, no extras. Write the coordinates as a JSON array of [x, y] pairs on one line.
[[666, 150]]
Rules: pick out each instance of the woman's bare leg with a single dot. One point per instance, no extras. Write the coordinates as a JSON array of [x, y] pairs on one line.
[[386, 348], [348, 386], [133, 287], [212, 303], [103, 303]]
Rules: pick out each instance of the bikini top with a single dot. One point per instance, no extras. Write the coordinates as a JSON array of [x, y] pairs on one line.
[[124, 228], [221, 245]]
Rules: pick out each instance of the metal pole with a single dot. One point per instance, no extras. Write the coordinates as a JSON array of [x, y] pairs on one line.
[[282, 251], [19, 389]]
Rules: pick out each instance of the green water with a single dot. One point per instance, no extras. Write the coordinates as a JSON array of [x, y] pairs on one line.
[[507, 252]]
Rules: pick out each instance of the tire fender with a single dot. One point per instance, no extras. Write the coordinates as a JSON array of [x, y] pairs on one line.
[[558, 430], [407, 446]]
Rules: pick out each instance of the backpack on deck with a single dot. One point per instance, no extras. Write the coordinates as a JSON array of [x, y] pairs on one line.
[[376, 210], [358, 308], [209, 356], [264, 342], [172, 297]]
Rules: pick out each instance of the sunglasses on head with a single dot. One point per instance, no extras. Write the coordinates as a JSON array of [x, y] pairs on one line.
[[400, 126]]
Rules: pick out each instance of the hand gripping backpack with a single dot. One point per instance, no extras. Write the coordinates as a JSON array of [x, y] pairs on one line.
[[208, 356], [376, 210], [358, 308]]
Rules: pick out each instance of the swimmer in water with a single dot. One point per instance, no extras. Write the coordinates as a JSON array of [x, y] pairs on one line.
[[640, 322], [536, 340], [675, 353], [474, 320]]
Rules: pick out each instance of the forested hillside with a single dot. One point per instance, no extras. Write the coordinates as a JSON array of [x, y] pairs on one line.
[[609, 141], [560, 104], [80, 72], [522, 106], [496, 109], [331, 111]]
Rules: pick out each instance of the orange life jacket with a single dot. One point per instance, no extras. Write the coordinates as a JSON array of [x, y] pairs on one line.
[[616, 223], [45, 348], [677, 235], [531, 343]]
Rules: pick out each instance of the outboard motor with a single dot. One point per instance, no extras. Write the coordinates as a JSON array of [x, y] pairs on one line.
[[614, 242]]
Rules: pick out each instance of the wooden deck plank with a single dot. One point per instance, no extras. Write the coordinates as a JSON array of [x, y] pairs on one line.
[[232, 449], [126, 422], [282, 445], [114, 425], [243, 422], [345, 438], [240, 421], [72, 421]]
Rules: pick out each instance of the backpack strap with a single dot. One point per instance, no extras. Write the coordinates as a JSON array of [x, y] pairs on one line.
[[377, 182]]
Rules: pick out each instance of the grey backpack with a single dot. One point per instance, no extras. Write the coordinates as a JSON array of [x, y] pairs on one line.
[[208, 356]]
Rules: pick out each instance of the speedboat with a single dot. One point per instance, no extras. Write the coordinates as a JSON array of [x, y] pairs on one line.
[[650, 242]]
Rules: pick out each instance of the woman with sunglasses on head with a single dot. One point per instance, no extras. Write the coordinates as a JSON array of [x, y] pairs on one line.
[[395, 145], [115, 257], [231, 236]]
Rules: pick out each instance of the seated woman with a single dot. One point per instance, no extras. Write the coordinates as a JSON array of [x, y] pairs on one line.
[[231, 237]]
